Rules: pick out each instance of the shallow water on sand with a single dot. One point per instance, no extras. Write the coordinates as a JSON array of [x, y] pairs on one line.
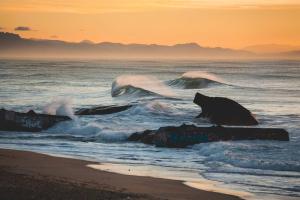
[[162, 93]]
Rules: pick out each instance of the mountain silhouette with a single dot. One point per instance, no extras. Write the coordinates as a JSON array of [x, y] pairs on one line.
[[12, 45]]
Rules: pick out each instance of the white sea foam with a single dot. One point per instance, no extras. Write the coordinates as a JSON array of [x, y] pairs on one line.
[[158, 106], [93, 131]]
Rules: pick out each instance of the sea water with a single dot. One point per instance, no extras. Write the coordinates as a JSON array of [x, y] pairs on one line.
[[161, 92]]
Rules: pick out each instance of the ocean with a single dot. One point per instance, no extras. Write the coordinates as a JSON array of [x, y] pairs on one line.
[[162, 93]]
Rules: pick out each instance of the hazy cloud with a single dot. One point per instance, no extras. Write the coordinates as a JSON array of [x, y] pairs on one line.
[[1, 28], [104, 6], [53, 36], [23, 28]]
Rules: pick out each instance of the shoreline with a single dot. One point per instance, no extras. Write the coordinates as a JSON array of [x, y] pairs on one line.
[[64, 175], [191, 179]]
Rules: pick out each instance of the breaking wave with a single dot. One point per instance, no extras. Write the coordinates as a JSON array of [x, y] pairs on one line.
[[139, 85], [196, 80]]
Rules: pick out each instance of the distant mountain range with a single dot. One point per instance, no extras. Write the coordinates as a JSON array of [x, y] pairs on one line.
[[271, 48], [12, 45]]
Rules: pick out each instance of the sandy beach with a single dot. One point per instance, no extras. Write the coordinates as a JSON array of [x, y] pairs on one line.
[[28, 175]]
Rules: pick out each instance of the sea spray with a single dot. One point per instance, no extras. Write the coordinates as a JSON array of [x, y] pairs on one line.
[[139, 84], [60, 106]]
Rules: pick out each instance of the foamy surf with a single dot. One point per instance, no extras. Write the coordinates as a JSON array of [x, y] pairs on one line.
[[156, 107]]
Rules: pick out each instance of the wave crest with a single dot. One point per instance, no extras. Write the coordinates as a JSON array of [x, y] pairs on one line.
[[139, 85], [196, 80]]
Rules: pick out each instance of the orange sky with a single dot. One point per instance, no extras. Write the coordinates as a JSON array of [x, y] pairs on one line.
[[225, 23]]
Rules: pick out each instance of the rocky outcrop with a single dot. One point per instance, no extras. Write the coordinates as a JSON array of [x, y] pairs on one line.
[[185, 135], [30, 121], [224, 111], [102, 110]]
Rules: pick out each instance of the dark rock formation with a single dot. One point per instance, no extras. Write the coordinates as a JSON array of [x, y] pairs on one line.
[[184, 135], [224, 111], [102, 110], [30, 121]]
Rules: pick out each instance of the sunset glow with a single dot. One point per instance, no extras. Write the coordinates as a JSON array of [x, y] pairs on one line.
[[231, 23]]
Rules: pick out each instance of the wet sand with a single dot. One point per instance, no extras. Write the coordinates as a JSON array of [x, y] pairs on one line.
[[27, 175]]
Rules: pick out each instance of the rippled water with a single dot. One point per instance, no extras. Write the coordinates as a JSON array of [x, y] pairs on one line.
[[162, 94]]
